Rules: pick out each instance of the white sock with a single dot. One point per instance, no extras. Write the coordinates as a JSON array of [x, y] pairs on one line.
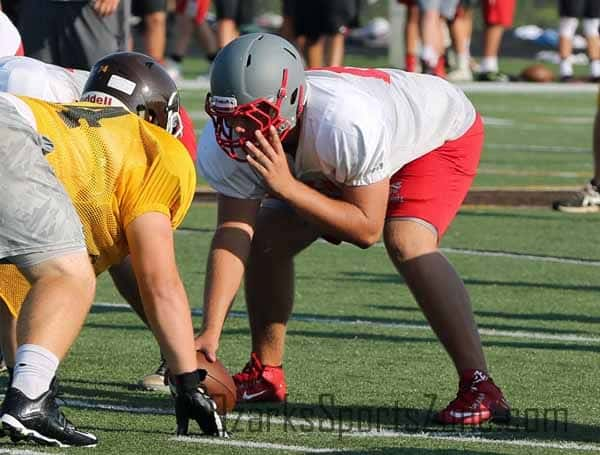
[[595, 68], [489, 65], [463, 61], [566, 67], [430, 56], [35, 367]]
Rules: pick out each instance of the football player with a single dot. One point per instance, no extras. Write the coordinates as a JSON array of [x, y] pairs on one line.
[[99, 183], [30, 77], [347, 154], [10, 39]]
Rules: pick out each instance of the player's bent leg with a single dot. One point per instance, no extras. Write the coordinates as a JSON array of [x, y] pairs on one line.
[[61, 294], [269, 282], [441, 294], [8, 335], [51, 317]]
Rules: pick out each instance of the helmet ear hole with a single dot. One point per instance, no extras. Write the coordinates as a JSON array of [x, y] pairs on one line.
[[151, 116], [293, 97]]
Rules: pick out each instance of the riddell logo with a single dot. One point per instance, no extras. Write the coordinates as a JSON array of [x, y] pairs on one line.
[[98, 99]]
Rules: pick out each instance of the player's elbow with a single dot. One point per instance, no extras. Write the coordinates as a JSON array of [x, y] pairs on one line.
[[367, 238]]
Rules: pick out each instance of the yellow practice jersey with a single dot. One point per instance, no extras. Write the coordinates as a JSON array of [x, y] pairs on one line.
[[115, 167]]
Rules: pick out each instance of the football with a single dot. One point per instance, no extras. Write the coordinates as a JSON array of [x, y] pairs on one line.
[[219, 383], [537, 73]]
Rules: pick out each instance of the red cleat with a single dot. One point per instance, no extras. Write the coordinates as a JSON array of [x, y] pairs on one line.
[[478, 400], [258, 382]]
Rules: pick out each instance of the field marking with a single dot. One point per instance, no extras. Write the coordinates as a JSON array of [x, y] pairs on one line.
[[498, 171], [530, 443], [477, 438], [481, 253], [24, 452], [527, 126], [539, 148], [518, 334], [521, 256], [252, 444]]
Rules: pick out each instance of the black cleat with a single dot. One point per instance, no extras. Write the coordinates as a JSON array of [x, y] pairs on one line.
[[41, 420]]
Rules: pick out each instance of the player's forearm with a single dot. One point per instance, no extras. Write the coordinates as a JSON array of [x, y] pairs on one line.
[[168, 313], [338, 218], [225, 269]]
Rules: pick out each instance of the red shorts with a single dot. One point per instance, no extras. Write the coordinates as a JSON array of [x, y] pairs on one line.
[[499, 12], [196, 9], [433, 187]]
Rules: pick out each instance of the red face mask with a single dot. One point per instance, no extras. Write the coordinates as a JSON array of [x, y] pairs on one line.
[[258, 115]]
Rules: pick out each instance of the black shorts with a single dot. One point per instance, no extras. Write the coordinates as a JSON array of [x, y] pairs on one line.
[[71, 34], [289, 8], [333, 17], [141, 8], [589, 9], [468, 4], [241, 11]]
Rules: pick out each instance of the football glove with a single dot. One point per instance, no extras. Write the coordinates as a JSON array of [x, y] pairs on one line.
[[192, 402]]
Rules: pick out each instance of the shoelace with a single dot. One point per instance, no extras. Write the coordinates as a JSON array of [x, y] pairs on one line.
[[465, 397], [250, 373], [162, 368]]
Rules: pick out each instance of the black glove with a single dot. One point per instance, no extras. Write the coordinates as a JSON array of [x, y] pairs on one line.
[[192, 402]]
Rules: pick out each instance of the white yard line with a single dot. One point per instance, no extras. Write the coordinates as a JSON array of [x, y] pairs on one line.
[[478, 438], [518, 334], [24, 452], [538, 148], [529, 443], [253, 445], [523, 257]]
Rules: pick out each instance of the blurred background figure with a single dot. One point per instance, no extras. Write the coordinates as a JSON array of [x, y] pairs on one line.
[[432, 34], [570, 11], [498, 15], [231, 16], [461, 30], [190, 16], [10, 39], [412, 36], [154, 22], [288, 8], [10, 8], [323, 33], [73, 33]]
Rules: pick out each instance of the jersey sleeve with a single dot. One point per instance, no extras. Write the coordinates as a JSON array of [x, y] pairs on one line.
[[352, 147], [166, 185], [225, 175]]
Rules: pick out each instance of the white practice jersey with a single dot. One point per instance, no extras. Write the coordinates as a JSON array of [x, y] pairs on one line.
[[359, 127], [10, 40], [29, 77]]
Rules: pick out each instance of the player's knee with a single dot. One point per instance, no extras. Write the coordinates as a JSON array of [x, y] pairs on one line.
[[402, 245], [567, 27], [157, 19]]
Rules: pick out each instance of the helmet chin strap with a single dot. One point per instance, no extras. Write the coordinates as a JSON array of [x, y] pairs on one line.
[[174, 124]]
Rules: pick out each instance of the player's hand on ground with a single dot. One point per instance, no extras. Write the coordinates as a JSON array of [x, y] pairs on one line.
[[269, 160], [105, 7], [209, 345], [193, 403]]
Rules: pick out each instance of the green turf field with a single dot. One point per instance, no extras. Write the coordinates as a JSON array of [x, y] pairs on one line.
[[365, 372]]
